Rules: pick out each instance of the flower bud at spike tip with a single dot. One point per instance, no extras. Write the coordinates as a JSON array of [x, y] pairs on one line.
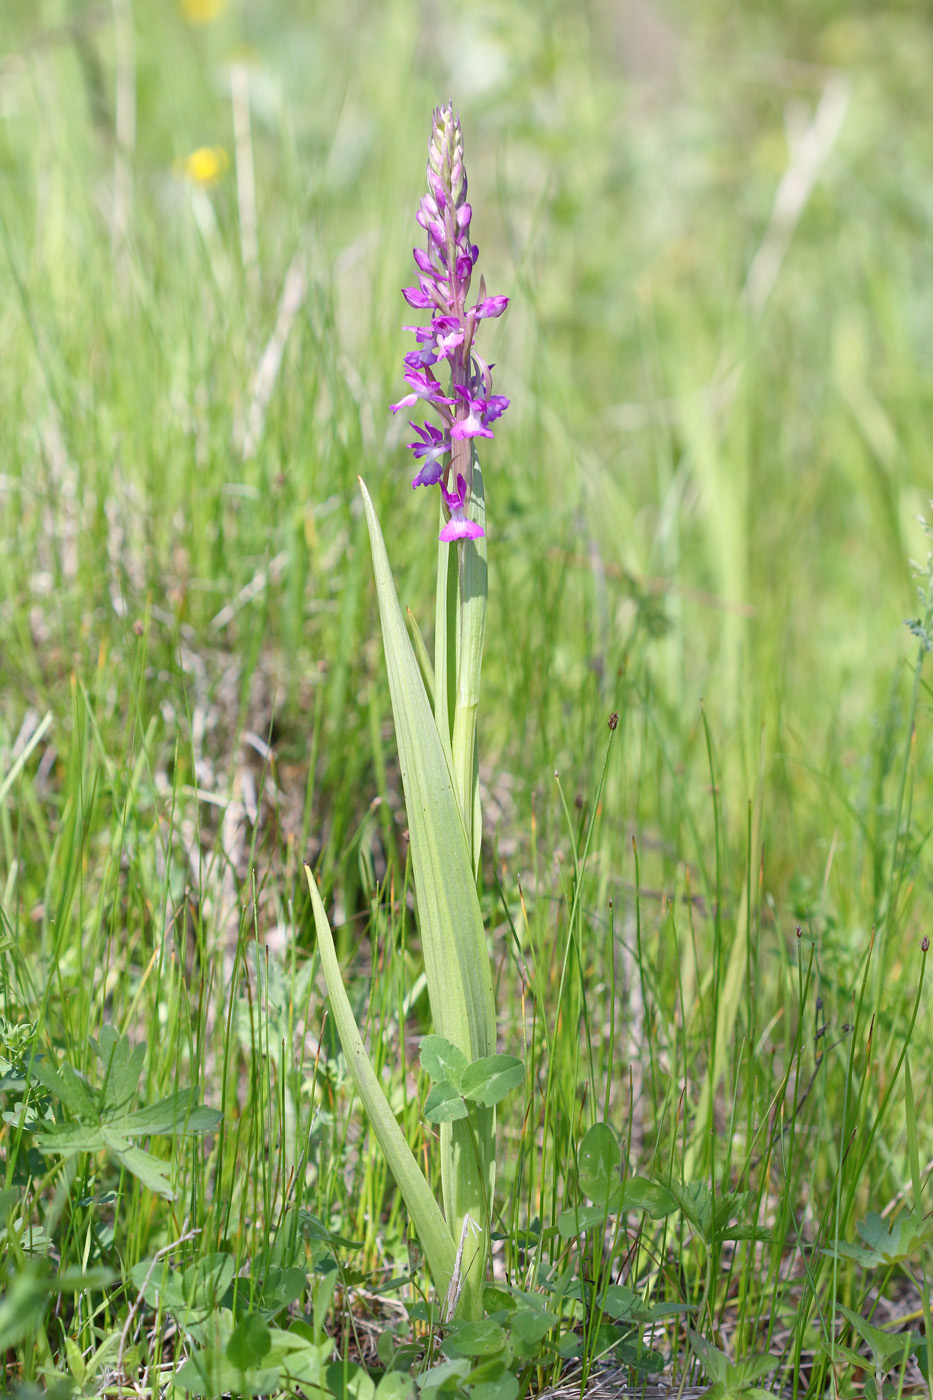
[[444, 270]]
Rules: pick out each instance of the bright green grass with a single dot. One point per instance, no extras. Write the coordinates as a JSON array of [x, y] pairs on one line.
[[702, 511]]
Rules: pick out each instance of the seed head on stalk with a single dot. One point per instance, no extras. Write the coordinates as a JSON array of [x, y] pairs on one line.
[[445, 270]]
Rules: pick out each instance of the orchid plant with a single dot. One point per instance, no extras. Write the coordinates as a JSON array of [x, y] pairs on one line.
[[435, 709]]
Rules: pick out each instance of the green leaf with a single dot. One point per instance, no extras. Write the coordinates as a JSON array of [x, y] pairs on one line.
[[484, 1338], [31, 1238], [570, 1346], [442, 1060], [887, 1242], [634, 1353], [531, 1325], [281, 1287], [210, 1373], [497, 1299], [147, 1169], [385, 1348], [23, 756], [74, 1279], [395, 1385], [638, 1193], [444, 1103], [599, 1163], [840, 1352], [752, 1368], [888, 1349], [488, 1080], [178, 1114], [23, 1305], [68, 1138], [506, 1387], [574, 1222], [309, 1227], [323, 1287], [696, 1201], [447, 1376], [621, 1303], [714, 1363], [457, 962], [112, 1127], [250, 1341], [423, 1208], [123, 1066], [68, 1086], [117, 1142], [348, 1381], [157, 1280], [205, 1282]]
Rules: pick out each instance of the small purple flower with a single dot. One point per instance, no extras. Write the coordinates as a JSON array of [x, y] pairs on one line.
[[474, 424], [427, 355], [459, 526], [444, 273], [496, 405], [434, 446], [419, 300], [423, 385], [492, 306], [449, 336]]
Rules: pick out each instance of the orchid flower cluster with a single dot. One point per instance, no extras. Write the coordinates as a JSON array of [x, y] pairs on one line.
[[445, 271]]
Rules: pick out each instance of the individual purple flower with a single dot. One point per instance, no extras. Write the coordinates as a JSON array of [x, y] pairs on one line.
[[423, 385], [432, 448], [496, 405], [444, 273], [427, 355], [420, 300], [474, 424], [449, 336], [492, 306], [459, 526]]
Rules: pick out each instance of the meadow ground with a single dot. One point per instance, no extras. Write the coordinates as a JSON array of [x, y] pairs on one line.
[[714, 226]]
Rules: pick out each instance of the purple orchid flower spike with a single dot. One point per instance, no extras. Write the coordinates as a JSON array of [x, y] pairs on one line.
[[444, 272]]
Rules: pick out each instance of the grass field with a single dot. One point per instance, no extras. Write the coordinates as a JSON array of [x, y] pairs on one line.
[[713, 223]]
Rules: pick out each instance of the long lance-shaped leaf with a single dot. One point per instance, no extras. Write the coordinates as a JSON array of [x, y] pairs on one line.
[[423, 1208], [455, 955], [456, 960]]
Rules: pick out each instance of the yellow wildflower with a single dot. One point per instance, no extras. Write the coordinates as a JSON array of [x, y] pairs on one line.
[[205, 165], [199, 12]]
